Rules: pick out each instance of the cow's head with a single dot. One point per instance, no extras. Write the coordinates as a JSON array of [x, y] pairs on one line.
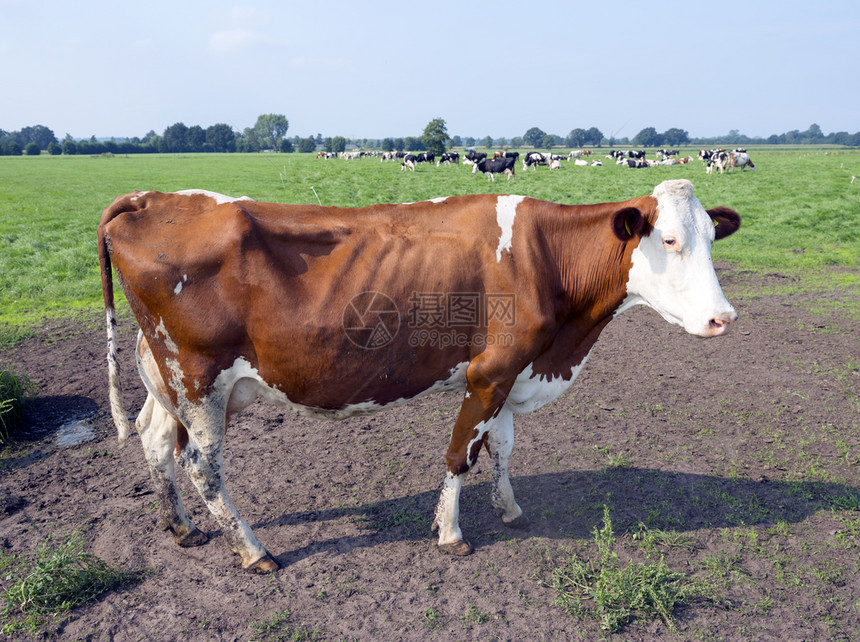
[[672, 270]]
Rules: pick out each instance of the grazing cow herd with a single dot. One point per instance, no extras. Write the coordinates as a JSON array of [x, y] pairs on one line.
[[503, 162]]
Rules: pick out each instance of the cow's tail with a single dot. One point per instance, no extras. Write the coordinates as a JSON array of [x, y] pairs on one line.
[[117, 406]]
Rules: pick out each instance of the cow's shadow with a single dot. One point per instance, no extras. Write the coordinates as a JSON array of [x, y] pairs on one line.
[[570, 505]]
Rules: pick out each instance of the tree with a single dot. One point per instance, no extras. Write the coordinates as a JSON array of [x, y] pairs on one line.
[[813, 134], [387, 145], [271, 128], [38, 134], [175, 138], [487, 141], [54, 149], [675, 136], [594, 136], [221, 137], [307, 145], [576, 138], [69, 147], [338, 144], [32, 149], [195, 138], [435, 136], [534, 137], [413, 144], [517, 141], [456, 141], [648, 137], [548, 141]]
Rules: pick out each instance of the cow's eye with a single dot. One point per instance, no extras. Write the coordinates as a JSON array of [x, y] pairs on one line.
[[670, 242]]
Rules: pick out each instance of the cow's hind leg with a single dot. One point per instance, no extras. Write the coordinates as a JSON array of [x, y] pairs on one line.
[[500, 444], [157, 429], [203, 459]]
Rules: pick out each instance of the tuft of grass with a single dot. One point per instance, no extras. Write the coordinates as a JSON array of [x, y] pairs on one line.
[[279, 626], [14, 390], [62, 577], [615, 594]]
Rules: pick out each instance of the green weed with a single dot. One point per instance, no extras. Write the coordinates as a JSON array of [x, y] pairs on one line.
[[63, 576], [14, 391], [279, 626], [615, 594]]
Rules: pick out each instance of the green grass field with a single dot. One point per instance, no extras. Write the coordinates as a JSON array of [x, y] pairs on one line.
[[800, 209]]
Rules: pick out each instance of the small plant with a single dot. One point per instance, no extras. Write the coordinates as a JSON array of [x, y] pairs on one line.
[[615, 594], [474, 615], [63, 577], [14, 390], [431, 618], [278, 626]]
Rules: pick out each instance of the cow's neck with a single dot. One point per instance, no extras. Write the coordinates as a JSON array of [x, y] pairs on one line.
[[593, 268]]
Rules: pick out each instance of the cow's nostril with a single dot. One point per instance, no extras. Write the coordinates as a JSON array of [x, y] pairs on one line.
[[718, 325]]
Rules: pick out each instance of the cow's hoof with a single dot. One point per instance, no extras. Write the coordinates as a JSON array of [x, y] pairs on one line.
[[263, 565], [460, 548], [195, 537], [520, 523]]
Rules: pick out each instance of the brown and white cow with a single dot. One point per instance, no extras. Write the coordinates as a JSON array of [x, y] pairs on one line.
[[319, 309]]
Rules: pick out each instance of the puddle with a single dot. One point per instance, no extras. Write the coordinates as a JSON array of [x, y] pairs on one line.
[[74, 433]]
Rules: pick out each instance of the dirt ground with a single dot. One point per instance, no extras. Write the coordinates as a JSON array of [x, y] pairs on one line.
[[748, 445]]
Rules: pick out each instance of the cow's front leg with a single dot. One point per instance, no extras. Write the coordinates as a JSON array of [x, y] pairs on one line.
[[483, 400], [203, 460], [500, 444]]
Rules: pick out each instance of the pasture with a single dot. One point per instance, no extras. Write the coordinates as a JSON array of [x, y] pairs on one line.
[[734, 461]]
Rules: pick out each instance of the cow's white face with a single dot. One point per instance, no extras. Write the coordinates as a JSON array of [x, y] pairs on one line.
[[672, 269]]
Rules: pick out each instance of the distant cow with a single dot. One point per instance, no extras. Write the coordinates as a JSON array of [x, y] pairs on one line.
[[448, 158], [426, 157], [409, 162], [491, 166], [533, 159], [635, 163], [740, 159], [718, 159], [474, 156]]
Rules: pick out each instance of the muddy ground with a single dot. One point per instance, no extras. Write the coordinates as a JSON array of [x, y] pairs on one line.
[[747, 445]]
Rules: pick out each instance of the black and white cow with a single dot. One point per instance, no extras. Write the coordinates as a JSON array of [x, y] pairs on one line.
[[635, 163], [533, 159], [474, 156], [426, 157], [409, 162], [448, 158], [490, 166], [718, 159]]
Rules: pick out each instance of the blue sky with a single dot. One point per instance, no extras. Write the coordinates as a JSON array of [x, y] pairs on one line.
[[373, 69]]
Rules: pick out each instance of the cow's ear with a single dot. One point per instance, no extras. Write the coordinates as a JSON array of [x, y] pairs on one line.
[[726, 222], [627, 223]]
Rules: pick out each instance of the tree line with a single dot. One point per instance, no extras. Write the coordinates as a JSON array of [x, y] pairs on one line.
[[269, 133]]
